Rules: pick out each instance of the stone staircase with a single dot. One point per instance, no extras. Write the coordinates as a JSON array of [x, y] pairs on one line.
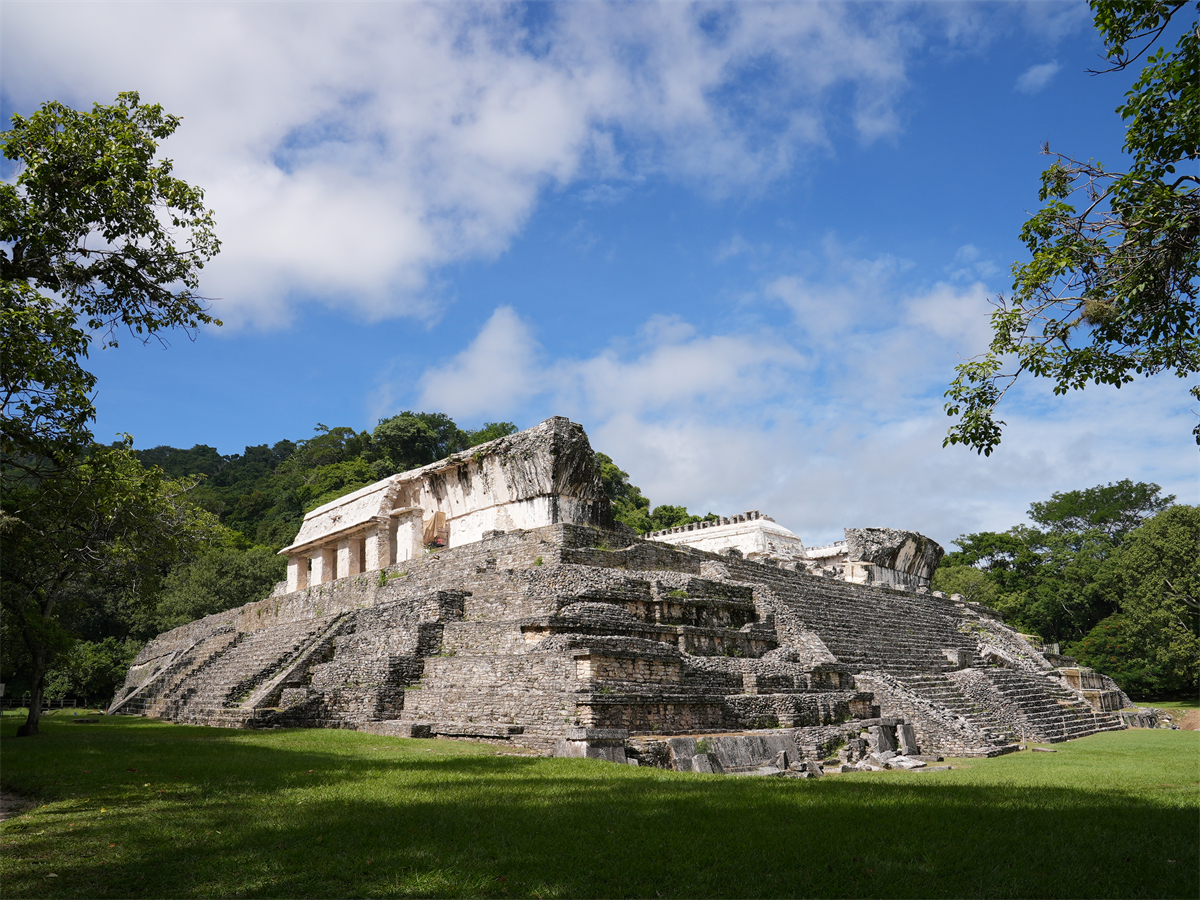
[[872, 628], [1047, 710], [224, 673], [153, 697], [938, 688]]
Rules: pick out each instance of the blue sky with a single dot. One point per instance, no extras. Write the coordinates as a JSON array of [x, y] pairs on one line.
[[745, 245]]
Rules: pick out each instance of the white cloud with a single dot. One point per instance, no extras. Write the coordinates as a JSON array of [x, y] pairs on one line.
[[845, 430], [349, 150], [496, 371], [840, 294], [970, 264], [1035, 78], [958, 317]]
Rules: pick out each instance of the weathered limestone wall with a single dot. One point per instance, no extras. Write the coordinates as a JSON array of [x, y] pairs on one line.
[[537, 477]]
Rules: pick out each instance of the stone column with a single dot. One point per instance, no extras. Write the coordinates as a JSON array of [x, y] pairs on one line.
[[410, 533], [349, 556], [380, 545], [323, 561], [297, 573]]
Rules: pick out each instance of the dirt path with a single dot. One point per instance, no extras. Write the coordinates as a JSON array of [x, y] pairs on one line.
[[1190, 720], [12, 805]]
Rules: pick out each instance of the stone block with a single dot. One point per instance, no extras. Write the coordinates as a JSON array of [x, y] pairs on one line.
[[768, 772], [577, 733], [707, 764], [608, 752], [881, 738], [564, 748], [907, 738]]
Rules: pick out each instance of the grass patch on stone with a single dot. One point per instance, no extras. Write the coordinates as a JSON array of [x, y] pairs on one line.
[[137, 808]]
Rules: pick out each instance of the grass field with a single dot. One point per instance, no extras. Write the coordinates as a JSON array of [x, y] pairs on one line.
[[136, 808], [1172, 704]]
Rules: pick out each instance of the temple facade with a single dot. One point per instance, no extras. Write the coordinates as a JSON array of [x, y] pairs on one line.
[[542, 476]]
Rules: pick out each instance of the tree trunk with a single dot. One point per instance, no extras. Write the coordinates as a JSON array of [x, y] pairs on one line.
[[36, 692]]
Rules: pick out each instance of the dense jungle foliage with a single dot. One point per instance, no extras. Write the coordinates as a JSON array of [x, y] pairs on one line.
[[1112, 573]]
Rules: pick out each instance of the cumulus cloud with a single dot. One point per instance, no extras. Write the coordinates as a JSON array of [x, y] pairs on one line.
[[350, 150], [1035, 78], [837, 292], [824, 434], [497, 370]]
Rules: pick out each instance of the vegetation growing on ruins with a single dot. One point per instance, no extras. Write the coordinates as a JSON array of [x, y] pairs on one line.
[[1111, 572], [133, 808], [633, 508], [1110, 291]]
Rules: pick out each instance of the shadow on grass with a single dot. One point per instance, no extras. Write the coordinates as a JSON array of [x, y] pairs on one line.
[[213, 813]]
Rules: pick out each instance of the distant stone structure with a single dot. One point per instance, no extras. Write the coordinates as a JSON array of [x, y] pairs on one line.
[[751, 534], [883, 556], [541, 622]]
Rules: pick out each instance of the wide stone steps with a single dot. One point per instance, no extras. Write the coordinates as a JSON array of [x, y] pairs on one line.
[[873, 628], [222, 677], [1051, 711], [941, 690], [173, 682]]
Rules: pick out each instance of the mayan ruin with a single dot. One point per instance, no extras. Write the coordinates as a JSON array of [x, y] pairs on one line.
[[492, 596]]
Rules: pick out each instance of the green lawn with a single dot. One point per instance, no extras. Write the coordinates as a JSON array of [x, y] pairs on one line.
[[1193, 703], [135, 808]]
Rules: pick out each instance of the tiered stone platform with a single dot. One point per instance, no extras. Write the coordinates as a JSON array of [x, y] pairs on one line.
[[592, 641]]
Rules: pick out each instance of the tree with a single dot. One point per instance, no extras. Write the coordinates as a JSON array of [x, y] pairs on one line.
[[1053, 581], [411, 440], [220, 578], [92, 670], [1043, 583], [1110, 292], [628, 504], [1152, 644], [97, 236], [968, 581], [632, 508], [1115, 509], [490, 432], [105, 524]]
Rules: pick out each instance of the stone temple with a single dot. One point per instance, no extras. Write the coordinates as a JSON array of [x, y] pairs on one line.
[[491, 595]]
